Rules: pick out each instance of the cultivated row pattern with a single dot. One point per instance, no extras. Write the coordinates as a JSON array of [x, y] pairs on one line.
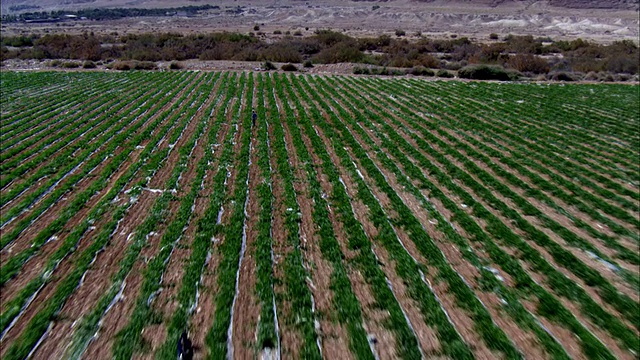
[[358, 218]]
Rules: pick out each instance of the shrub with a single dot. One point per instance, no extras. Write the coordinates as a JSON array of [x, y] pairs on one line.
[[444, 74], [268, 65], [133, 65], [55, 63], [256, 27], [70, 65], [297, 33], [144, 65], [340, 52], [562, 76], [281, 52], [400, 32], [493, 36], [359, 70], [592, 76], [421, 71], [623, 77], [627, 64], [453, 65], [529, 63], [307, 64], [289, 67], [175, 65], [277, 32], [89, 65], [121, 65], [486, 72]]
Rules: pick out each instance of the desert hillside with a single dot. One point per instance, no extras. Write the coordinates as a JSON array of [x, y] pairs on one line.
[[596, 20]]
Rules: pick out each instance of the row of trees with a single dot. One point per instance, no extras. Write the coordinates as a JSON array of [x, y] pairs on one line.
[[105, 13], [522, 53]]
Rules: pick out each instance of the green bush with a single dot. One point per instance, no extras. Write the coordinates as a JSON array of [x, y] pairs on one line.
[[133, 65], [175, 65], [89, 65], [341, 52], [268, 65], [121, 65], [70, 65], [289, 67], [400, 32], [444, 74], [359, 70], [529, 63], [486, 72], [144, 65], [308, 64], [421, 71], [562, 76]]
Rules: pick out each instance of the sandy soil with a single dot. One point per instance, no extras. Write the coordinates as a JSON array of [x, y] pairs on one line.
[[475, 19]]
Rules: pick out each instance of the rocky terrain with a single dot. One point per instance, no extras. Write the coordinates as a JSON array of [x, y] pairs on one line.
[[596, 20]]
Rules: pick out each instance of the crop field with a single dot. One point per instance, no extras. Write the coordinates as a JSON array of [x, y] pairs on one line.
[[359, 218]]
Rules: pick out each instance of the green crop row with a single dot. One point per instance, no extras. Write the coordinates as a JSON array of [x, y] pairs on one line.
[[297, 292], [347, 306], [129, 337], [52, 119], [268, 335], [493, 336], [38, 325], [233, 232], [52, 186], [476, 232], [527, 208], [23, 112], [459, 109], [84, 124], [559, 283], [206, 225], [16, 262], [89, 324], [406, 266], [515, 309]]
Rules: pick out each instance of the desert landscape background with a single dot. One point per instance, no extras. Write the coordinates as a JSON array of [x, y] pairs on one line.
[[596, 20]]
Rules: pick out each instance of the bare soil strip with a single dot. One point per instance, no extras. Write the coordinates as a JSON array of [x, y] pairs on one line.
[[334, 338], [504, 221], [201, 321], [42, 295], [246, 313], [288, 260], [524, 340], [36, 262], [119, 315], [24, 240], [462, 321]]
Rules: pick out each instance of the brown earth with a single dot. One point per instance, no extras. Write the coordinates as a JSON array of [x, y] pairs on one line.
[[333, 337], [119, 314], [291, 340], [594, 295], [247, 307], [477, 19]]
